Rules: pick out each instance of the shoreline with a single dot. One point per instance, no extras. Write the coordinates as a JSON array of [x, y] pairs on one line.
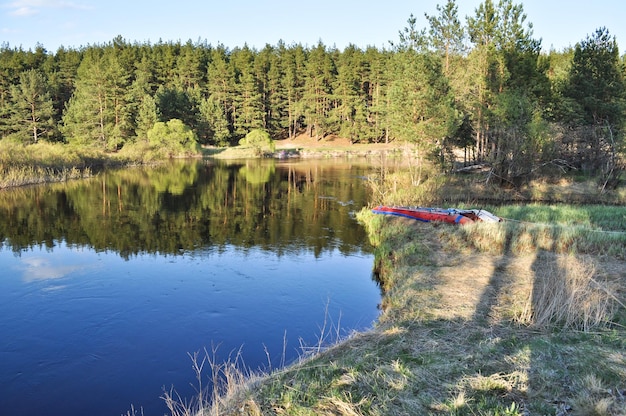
[[452, 340]]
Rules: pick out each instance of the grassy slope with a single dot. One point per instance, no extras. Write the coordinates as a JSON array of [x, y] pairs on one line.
[[460, 332], [454, 337], [448, 342]]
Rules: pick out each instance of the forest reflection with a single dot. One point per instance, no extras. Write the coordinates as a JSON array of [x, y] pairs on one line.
[[186, 206]]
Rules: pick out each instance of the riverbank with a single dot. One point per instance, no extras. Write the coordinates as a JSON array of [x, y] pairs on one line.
[[307, 147], [522, 317], [44, 162], [467, 329]]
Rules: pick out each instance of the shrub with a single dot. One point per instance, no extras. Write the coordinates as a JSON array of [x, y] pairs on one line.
[[259, 140], [173, 138]]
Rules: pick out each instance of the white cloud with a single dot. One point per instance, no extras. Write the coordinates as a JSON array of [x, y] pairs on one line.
[[37, 268], [24, 11], [24, 8]]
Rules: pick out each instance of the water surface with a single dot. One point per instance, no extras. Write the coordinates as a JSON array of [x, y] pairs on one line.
[[107, 284]]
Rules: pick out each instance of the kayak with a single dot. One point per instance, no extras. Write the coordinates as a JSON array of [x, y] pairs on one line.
[[448, 215]]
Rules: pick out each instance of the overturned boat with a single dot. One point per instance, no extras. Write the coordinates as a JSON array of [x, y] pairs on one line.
[[448, 215]]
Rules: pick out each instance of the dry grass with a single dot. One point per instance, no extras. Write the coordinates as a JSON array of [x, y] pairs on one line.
[[568, 292], [466, 333], [228, 381], [493, 319]]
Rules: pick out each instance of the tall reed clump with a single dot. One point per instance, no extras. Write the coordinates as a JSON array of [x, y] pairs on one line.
[[227, 379], [414, 183], [43, 162], [566, 292], [29, 175]]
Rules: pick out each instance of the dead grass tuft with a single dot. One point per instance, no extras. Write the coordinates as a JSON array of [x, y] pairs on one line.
[[594, 399], [569, 293]]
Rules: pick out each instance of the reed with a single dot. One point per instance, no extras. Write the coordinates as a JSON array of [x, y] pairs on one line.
[[44, 162], [28, 175], [566, 292], [228, 379]]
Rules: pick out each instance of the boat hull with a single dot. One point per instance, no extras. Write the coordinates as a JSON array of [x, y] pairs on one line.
[[450, 216]]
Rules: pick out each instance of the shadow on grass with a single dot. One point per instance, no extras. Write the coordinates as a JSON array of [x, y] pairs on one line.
[[469, 349]]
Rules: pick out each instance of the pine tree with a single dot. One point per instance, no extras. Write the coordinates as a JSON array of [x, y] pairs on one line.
[[221, 81], [293, 60], [98, 112], [320, 74], [596, 101], [446, 33], [379, 74], [421, 107], [31, 115], [212, 115], [189, 68], [248, 105], [269, 73], [596, 81], [349, 94], [147, 116]]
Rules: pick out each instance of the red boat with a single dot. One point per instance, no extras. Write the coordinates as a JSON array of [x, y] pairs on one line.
[[449, 215]]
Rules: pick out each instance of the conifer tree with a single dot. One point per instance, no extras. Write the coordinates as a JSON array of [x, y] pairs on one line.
[[213, 117], [221, 81], [446, 33], [293, 60], [317, 93], [31, 110], [248, 105]]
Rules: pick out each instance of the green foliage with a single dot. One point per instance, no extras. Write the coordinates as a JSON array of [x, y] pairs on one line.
[[421, 109], [147, 116], [173, 139], [173, 103], [491, 98], [248, 100], [31, 111], [446, 32], [596, 82], [259, 140], [97, 115], [214, 117]]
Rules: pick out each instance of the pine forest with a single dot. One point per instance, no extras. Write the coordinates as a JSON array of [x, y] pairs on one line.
[[478, 88]]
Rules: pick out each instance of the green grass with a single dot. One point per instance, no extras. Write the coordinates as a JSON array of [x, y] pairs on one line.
[[582, 229], [43, 162], [522, 317], [462, 332], [55, 162]]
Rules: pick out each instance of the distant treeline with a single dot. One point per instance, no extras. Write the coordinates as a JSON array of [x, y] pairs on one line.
[[482, 85]]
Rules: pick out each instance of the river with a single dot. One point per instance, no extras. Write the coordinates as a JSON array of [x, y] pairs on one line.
[[107, 285]]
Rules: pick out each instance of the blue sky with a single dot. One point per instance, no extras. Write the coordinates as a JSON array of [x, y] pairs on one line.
[[75, 23]]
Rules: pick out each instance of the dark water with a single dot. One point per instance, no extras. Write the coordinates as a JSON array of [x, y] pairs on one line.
[[107, 284]]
